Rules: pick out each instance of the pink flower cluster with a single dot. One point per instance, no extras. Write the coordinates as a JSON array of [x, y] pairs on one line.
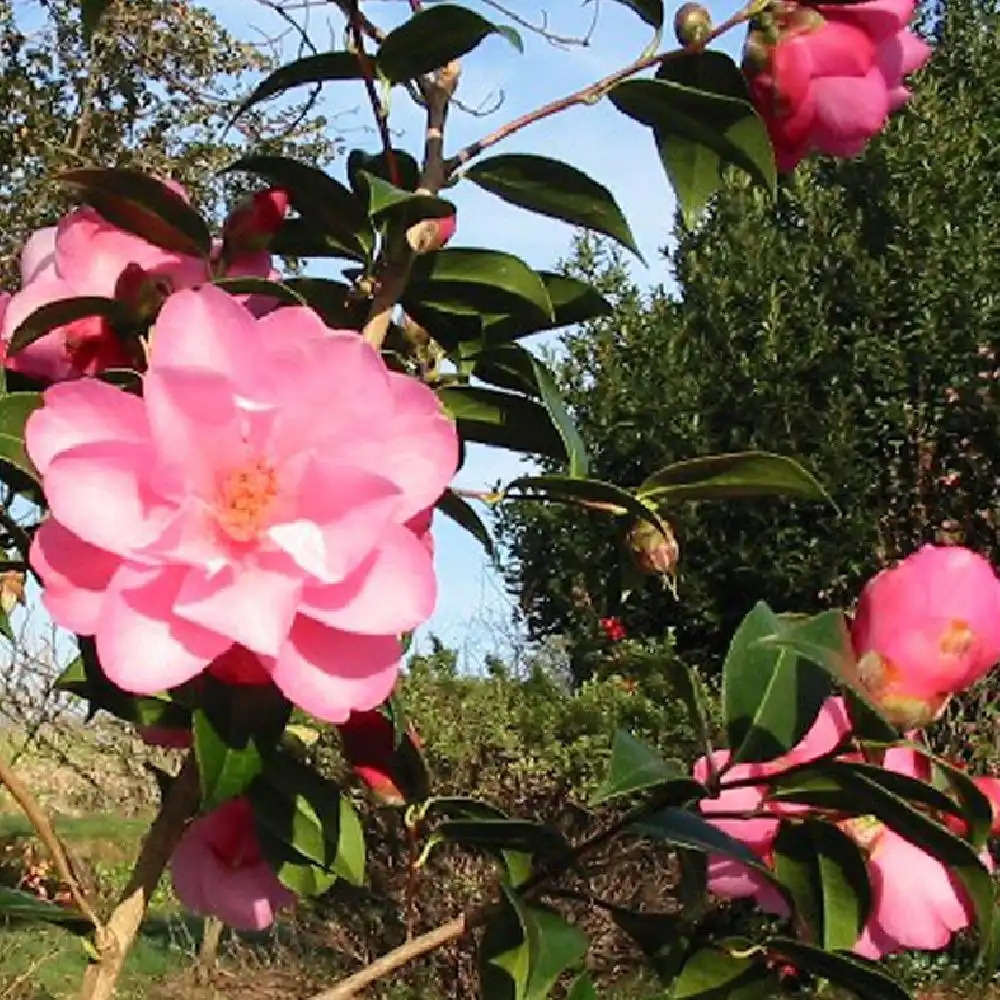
[[924, 630], [85, 255], [829, 80], [916, 901]]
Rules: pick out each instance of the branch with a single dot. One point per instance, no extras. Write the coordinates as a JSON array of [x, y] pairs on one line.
[[378, 106], [405, 953], [179, 804], [563, 41], [590, 94], [43, 827]]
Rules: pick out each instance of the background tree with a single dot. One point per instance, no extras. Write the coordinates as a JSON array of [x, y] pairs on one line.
[[856, 331], [154, 91]]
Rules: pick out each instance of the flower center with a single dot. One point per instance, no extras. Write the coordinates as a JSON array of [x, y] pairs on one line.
[[245, 499], [957, 638]]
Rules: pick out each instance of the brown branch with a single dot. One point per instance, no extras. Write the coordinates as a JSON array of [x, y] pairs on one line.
[[543, 30], [43, 827], [589, 94], [378, 106], [405, 953], [179, 804]]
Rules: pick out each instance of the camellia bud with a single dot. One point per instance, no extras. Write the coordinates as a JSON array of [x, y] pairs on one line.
[[254, 222], [692, 24], [431, 234], [654, 549], [369, 742]]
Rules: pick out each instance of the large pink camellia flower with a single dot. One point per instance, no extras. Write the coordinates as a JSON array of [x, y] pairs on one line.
[[260, 495], [834, 75], [217, 869], [85, 255], [926, 629]]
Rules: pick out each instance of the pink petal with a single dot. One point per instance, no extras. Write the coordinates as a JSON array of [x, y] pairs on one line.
[[331, 673], [849, 111], [91, 253], [75, 576], [839, 50], [96, 492], [338, 518], [142, 645], [877, 18], [83, 412], [900, 55], [729, 879], [253, 604], [38, 255], [187, 866], [47, 357], [246, 897], [393, 591]]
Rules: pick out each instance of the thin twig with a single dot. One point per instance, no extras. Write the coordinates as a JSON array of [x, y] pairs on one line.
[[587, 95], [46, 832], [378, 106], [563, 41]]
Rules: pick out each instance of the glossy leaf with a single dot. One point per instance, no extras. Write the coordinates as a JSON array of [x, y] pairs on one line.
[[463, 514], [249, 285], [651, 11], [507, 834], [476, 280], [320, 68], [360, 162], [582, 988], [15, 408], [333, 300], [224, 771], [323, 202], [827, 877], [592, 493], [302, 238], [770, 697], [293, 871], [385, 199], [554, 945], [725, 477], [142, 205], [726, 126], [714, 974], [865, 979], [554, 189], [432, 38], [502, 419], [694, 168], [61, 312], [635, 766]]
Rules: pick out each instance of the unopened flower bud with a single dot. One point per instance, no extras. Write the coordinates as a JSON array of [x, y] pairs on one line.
[[431, 234], [11, 589], [254, 222], [654, 548], [369, 742], [143, 292], [692, 24]]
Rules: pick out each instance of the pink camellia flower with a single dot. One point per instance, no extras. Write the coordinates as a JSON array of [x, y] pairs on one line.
[[258, 495], [85, 255], [833, 77], [218, 870], [926, 629], [252, 224]]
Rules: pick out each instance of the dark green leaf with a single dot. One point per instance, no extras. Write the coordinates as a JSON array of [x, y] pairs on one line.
[[47, 317], [360, 163], [432, 38], [15, 408], [634, 766], [554, 945], [592, 493], [724, 477], [651, 11], [502, 419], [293, 871], [328, 207], [18, 905], [770, 697], [319, 68], [509, 834], [302, 238], [694, 168], [714, 974], [385, 199], [333, 300], [724, 125], [827, 877], [475, 280], [224, 771], [142, 205], [461, 512], [555, 189], [865, 979], [582, 988]]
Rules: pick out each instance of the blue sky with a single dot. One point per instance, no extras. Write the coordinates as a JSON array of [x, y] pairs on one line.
[[472, 607]]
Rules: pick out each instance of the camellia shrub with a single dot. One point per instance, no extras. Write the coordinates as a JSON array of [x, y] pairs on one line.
[[235, 476]]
